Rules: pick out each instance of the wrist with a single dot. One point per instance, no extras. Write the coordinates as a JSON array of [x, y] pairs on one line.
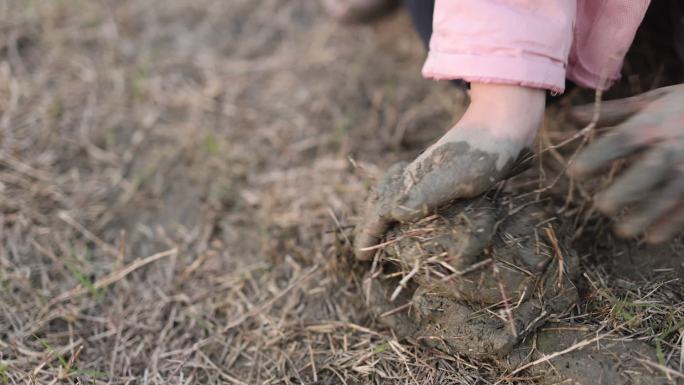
[[505, 112]]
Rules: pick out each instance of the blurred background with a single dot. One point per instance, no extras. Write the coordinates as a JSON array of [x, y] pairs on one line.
[[216, 133]]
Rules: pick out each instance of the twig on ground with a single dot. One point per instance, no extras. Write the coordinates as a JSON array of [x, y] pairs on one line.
[[559, 254], [668, 371], [270, 302], [113, 277], [404, 281], [89, 235], [505, 300], [549, 357]]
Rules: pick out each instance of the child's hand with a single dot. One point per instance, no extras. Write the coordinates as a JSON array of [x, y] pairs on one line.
[[499, 125], [654, 129]]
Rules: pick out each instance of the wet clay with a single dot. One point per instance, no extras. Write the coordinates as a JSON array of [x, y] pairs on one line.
[[482, 278], [464, 260]]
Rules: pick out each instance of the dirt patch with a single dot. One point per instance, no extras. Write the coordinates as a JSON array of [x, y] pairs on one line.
[[638, 261], [480, 277], [592, 358], [485, 273]]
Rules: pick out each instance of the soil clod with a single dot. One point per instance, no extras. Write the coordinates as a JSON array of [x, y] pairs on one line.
[[483, 277]]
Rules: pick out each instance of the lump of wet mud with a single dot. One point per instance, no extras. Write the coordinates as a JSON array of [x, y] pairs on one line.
[[480, 277], [475, 277]]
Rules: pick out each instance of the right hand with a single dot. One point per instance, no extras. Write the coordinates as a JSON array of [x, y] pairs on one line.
[[499, 125], [650, 125]]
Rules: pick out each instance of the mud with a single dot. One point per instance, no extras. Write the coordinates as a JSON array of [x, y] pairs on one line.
[[409, 191], [378, 207], [635, 261], [604, 362], [483, 278], [487, 275]]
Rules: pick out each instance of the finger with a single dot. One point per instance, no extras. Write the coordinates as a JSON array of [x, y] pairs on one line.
[[376, 218], [455, 178], [610, 113], [611, 146], [369, 235], [613, 112], [636, 182], [638, 132], [667, 227], [659, 206]]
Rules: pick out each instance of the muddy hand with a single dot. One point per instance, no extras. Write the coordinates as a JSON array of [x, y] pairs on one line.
[[479, 151], [376, 216], [654, 183], [448, 170]]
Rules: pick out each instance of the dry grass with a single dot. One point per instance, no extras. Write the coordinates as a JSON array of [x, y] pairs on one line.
[[176, 195]]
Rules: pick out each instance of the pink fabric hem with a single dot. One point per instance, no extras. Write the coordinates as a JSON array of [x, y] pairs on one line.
[[523, 70], [585, 78]]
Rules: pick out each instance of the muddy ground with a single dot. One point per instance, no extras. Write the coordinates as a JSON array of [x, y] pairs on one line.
[[178, 183]]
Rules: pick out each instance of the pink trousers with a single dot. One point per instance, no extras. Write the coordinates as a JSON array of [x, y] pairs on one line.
[[534, 43]]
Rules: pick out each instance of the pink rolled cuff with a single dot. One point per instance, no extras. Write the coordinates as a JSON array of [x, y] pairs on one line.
[[532, 43], [526, 70]]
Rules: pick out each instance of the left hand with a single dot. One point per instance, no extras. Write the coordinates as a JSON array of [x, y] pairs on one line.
[[486, 146], [653, 129]]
